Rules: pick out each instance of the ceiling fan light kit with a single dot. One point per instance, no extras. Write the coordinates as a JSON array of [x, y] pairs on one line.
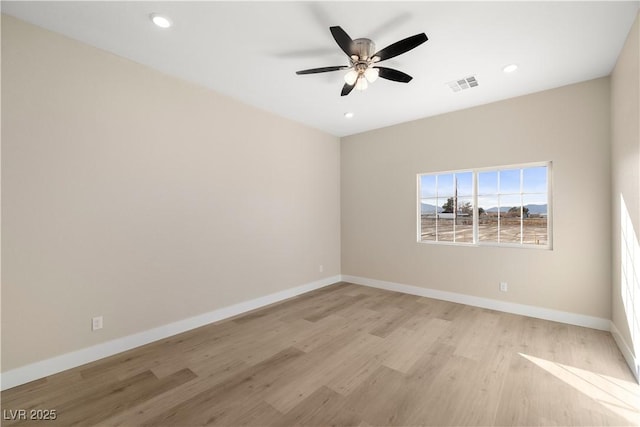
[[363, 59], [371, 74]]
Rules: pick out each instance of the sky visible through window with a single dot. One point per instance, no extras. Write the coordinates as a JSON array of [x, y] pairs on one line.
[[496, 189]]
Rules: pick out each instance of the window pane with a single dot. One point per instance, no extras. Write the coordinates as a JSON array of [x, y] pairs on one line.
[[464, 220], [429, 206], [445, 185], [428, 209], [445, 227], [487, 204], [465, 183], [487, 183], [510, 181], [427, 186], [537, 203], [510, 218], [488, 227], [446, 205], [534, 180], [488, 218], [534, 223]]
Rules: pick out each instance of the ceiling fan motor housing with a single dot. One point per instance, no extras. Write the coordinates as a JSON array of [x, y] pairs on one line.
[[364, 48]]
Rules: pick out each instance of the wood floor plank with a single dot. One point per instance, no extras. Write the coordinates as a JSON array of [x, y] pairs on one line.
[[323, 407], [478, 335], [391, 321], [348, 355], [409, 345], [333, 307], [383, 399], [140, 414], [314, 369], [218, 401], [334, 326], [94, 407]]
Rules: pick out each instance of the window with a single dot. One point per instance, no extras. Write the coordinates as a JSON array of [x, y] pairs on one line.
[[506, 206]]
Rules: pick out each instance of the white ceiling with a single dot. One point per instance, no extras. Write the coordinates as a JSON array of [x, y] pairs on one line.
[[251, 50]]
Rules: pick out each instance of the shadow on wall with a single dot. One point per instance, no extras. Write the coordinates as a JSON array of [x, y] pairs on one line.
[[630, 275]]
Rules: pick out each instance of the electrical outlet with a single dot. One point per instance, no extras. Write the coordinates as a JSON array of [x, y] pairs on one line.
[[96, 323], [321, 268], [504, 287]]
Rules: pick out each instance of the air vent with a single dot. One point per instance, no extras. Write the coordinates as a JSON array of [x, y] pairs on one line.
[[466, 83]]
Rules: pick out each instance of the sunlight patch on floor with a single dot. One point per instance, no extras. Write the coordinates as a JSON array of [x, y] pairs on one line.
[[619, 396]]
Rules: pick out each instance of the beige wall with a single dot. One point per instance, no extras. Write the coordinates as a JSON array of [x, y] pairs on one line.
[[133, 195], [625, 161], [569, 126]]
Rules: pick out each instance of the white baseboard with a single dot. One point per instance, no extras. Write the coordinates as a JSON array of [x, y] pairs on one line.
[[508, 307], [66, 361], [634, 364], [73, 359]]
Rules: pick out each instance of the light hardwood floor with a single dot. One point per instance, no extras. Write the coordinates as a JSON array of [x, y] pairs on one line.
[[349, 355]]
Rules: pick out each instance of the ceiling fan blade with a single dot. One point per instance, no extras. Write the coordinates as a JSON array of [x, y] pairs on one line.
[[395, 75], [344, 41], [346, 89], [398, 48], [322, 69]]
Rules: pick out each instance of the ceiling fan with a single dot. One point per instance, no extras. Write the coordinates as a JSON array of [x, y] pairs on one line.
[[363, 57]]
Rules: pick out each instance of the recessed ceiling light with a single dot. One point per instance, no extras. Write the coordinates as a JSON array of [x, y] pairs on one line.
[[348, 115], [510, 68], [160, 20]]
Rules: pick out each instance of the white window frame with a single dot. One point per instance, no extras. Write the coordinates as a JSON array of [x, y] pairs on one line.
[[475, 171]]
